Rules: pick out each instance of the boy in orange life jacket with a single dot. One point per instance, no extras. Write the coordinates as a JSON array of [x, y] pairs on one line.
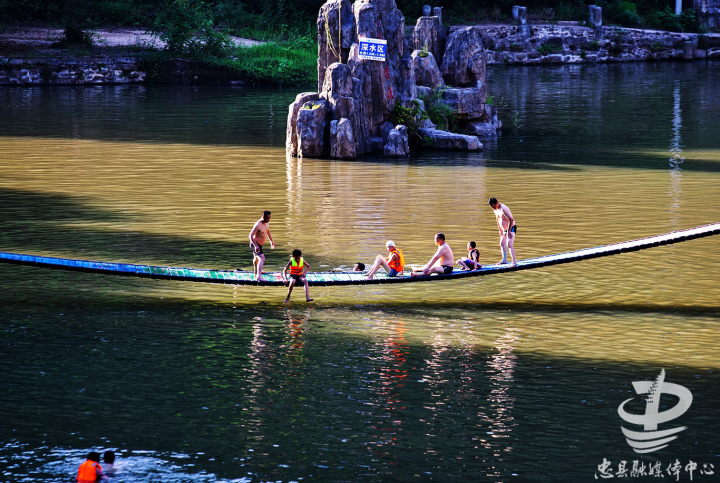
[[90, 471], [394, 264], [472, 262], [298, 268]]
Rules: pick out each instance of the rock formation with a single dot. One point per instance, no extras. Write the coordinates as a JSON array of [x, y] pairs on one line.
[[350, 113]]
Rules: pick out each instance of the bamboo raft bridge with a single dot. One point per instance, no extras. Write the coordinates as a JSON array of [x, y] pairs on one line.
[[233, 277]]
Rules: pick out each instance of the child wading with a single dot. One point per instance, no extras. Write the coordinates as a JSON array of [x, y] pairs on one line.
[[298, 268]]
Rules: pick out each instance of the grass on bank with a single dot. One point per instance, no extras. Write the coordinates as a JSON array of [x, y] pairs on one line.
[[292, 62]]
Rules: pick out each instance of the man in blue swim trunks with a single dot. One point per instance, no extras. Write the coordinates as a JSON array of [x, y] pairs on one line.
[[441, 263]]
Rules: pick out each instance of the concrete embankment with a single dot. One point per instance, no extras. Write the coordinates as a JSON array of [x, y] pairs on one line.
[[550, 44]]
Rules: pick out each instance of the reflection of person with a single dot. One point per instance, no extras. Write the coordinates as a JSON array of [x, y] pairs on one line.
[[442, 262], [507, 228], [91, 471], [298, 268], [260, 232], [472, 262], [359, 267], [109, 461], [394, 264]]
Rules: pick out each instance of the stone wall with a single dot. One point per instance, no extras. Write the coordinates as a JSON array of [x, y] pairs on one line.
[[108, 70], [547, 44], [70, 71]]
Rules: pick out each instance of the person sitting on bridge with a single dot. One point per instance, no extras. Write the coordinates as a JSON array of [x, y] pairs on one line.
[[441, 263], [394, 264], [298, 268], [472, 262]]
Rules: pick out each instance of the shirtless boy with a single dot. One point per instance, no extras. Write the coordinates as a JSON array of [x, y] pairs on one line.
[[260, 232], [442, 262], [507, 229]]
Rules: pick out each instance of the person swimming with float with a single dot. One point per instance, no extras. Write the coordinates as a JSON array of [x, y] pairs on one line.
[[393, 265]]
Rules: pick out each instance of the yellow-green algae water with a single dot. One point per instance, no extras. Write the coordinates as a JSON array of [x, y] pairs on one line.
[[510, 377]]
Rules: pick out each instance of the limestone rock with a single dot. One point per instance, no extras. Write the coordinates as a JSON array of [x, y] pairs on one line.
[[342, 142], [384, 130], [429, 31], [335, 46], [338, 82], [483, 129], [469, 103], [447, 140], [427, 72], [291, 144], [376, 144], [463, 45], [397, 144], [311, 124], [405, 86]]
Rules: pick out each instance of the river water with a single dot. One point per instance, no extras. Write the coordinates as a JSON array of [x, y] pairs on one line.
[[512, 377]]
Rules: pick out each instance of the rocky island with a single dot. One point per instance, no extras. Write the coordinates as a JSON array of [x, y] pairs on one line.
[[357, 99]]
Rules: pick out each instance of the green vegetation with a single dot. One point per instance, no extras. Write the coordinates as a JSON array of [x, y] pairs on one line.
[[439, 112], [657, 47], [594, 45], [285, 63], [410, 118], [515, 47], [547, 49]]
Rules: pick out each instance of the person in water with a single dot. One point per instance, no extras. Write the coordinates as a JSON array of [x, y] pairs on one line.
[[472, 262], [507, 228], [298, 268], [442, 262], [91, 471], [259, 234], [394, 265], [109, 461], [359, 267]]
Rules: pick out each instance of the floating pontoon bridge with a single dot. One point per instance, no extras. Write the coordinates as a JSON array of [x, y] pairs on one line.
[[351, 278]]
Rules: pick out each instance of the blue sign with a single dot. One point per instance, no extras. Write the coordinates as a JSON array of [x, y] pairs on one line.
[[372, 49]]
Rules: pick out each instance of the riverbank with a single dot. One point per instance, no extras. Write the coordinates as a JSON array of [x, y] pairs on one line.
[[35, 56], [31, 56]]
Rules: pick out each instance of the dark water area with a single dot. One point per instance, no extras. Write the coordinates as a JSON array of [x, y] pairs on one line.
[[516, 377]]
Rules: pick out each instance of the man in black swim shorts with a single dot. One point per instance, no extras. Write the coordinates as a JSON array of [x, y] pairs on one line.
[[260, 232], [441, 263]]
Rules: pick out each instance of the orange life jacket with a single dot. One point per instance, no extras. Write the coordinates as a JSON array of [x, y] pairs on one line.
[[297, 268], [87, 471], [399, 264]]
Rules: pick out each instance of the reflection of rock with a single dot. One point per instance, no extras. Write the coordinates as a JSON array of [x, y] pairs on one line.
[[427, 72], [464, 61], [311, 122], [291, 144], [429, 31], [447, 140], [397, 142], [342, 142]]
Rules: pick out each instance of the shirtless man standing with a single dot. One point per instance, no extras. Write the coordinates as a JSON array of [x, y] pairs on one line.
[[442, 262], [507, 228], [260, 231]]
